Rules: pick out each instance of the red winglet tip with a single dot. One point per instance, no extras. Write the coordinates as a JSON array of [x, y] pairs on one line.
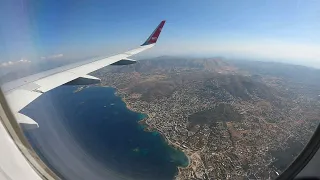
[[155, 34]]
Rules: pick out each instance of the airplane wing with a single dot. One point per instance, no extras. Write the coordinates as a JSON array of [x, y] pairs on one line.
[[21, 92]]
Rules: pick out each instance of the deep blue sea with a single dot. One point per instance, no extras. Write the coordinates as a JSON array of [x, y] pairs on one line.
[[91, 134]]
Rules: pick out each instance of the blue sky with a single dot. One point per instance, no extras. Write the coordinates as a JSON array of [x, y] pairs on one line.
[[286, 30]]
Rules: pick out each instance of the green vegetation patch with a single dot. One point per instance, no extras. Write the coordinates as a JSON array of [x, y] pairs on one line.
[[221, 113]]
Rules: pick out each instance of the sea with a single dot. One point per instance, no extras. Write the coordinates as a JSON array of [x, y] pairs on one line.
[[91, 134]]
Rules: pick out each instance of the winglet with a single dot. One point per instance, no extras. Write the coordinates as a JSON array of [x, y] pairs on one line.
[[155, 34]]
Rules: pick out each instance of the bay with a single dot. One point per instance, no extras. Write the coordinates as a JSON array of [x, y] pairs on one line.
[[92, 134]]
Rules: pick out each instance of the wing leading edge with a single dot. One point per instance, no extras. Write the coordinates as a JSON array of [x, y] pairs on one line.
[[21, 92]]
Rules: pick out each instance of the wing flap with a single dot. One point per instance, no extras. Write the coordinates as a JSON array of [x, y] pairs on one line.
[[126, 61], [19, 98], [56, 80], [25, 121], [84, 80]]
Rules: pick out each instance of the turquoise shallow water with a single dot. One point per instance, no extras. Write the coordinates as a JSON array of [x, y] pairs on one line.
[[109, 132]]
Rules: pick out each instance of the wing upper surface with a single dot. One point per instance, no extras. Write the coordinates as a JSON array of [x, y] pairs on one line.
[[21, 92]]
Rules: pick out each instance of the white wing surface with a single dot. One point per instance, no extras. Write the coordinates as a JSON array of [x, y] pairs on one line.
[[21, 92]]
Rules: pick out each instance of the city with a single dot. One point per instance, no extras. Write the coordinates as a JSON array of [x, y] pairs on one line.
[[230, 125]]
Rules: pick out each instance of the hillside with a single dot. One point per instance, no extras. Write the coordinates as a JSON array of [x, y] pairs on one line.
[[222, 112]]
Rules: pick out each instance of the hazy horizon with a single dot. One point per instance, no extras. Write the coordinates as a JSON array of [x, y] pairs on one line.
[[285, 31]]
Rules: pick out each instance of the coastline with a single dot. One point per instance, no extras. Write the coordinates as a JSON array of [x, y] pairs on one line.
[[149, 128], [172, 144]]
